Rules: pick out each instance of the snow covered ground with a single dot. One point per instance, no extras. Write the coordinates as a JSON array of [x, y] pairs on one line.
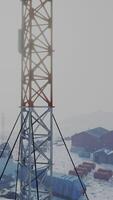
[[96, 189]]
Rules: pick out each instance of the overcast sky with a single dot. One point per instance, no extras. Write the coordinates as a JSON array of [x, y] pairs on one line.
[[83, 58]]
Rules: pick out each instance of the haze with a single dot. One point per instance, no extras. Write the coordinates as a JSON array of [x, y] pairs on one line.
[[83, 58]]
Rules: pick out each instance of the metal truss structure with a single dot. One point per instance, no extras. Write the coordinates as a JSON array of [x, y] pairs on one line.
[[36, 148]]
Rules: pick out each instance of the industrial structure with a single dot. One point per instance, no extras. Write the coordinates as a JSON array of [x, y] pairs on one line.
[[34, 170], [36, 98], [34, 173], [90, 140]]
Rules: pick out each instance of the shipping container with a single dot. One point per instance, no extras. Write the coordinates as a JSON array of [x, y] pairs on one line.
[[93, 165], [65, 186], [80, 172], [82, 168], [88, 167], [105, 170], [102, 175]]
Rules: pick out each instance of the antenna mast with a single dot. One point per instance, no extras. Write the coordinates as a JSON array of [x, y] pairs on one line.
[[36, 146]]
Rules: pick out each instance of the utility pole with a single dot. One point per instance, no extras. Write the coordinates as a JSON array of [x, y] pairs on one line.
[[36, 145], [2, 128]]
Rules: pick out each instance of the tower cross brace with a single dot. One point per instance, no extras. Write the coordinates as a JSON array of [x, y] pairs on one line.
[[36, 145]]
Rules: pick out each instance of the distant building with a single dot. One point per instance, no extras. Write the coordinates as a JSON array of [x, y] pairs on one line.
[[103, 156], [82, 152], [107, 140], [90, 140]]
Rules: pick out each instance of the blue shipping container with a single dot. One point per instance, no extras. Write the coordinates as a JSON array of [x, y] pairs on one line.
[[65, 186]]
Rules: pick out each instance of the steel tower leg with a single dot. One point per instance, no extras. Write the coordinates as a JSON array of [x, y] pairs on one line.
[[36, 147]]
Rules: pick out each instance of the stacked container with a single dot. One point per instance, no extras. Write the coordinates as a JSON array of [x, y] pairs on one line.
[[103, 174], [89, 164], [73, 173], [83, 169]]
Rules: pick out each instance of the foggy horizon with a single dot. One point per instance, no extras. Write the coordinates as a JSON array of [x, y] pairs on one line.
[[83, 45]]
